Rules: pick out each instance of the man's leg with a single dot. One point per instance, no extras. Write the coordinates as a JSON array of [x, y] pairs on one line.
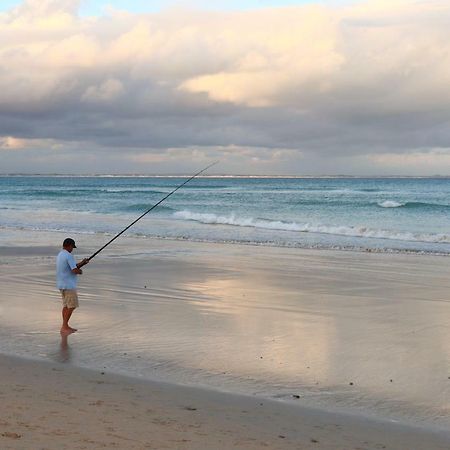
[[66, 314], [70, 302]]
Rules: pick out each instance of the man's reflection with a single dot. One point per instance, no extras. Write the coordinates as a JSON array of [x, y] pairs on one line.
[[64, 349]]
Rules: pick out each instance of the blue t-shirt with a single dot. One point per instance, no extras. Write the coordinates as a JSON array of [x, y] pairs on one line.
[[65, 278]]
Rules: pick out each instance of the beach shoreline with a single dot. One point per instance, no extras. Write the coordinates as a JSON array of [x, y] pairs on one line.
[[200, 298], [57, 406]]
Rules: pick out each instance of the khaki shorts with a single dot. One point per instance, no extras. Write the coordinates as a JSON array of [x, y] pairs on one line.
[[69, 298]]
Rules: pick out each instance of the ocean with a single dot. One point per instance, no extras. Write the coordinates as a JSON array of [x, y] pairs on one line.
[[371, 214]]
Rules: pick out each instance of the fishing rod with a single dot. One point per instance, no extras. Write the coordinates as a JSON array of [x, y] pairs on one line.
[[146, 212]]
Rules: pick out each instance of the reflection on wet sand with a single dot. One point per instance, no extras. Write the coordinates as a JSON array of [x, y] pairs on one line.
[[333, 327], [64, 348]]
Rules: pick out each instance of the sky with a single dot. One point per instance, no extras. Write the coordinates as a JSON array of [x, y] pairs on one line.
[[267, 87], [99, 7]]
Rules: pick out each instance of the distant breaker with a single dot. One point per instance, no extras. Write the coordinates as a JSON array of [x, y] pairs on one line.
[[391, 204], [353, 231]]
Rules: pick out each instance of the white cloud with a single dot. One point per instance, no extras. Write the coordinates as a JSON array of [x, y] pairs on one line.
[[292, 55], [364, 79]]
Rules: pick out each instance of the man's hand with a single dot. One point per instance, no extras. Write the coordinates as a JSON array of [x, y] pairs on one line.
[[83, 262]]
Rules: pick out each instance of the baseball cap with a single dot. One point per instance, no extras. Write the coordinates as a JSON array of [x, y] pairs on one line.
[[69, 241]]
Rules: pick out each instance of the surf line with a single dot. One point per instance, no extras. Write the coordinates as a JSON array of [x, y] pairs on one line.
[[150, 209]]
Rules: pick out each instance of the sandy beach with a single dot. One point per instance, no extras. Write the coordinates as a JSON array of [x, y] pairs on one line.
[[191, 345], [55, 406]]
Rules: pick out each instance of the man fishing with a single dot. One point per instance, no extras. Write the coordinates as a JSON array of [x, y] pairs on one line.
[[67, 271]]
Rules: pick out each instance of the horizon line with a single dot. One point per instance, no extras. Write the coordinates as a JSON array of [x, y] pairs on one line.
[[175, 175]]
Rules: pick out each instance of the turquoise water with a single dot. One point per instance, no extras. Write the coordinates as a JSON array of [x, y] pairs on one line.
[[405, 214]]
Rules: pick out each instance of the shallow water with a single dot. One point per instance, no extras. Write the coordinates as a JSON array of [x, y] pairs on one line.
[[365, 333]]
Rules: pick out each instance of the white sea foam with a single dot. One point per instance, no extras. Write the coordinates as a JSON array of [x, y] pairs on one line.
[[390, 204], [342, 230]]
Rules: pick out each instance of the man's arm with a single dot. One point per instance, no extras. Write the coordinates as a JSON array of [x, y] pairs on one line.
[[77, 270]]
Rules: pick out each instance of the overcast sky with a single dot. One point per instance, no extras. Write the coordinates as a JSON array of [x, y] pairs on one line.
[[270, 87]]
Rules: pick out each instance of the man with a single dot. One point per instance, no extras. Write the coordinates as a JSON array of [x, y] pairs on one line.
[[67, 271]]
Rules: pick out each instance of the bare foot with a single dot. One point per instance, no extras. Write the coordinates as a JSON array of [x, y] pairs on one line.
[[67, 330]]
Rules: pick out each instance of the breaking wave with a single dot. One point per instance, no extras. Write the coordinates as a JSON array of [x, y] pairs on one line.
[[341, 230], [390, 204], [413, 205]]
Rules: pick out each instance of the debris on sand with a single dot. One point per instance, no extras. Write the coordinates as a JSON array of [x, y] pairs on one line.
[[10, 435]]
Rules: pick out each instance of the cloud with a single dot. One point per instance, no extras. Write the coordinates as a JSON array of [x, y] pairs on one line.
[[315, 83], [107, 91], [276, 52], [8, 143], [432, 161], [11, 143]]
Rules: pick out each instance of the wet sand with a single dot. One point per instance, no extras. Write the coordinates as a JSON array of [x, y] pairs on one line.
[[56, 406], [350, 333]]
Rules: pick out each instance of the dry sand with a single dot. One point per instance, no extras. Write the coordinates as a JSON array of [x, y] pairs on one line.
[[55, 406]]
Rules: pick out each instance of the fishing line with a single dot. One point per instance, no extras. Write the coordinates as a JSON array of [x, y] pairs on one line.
[[146, 212]]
